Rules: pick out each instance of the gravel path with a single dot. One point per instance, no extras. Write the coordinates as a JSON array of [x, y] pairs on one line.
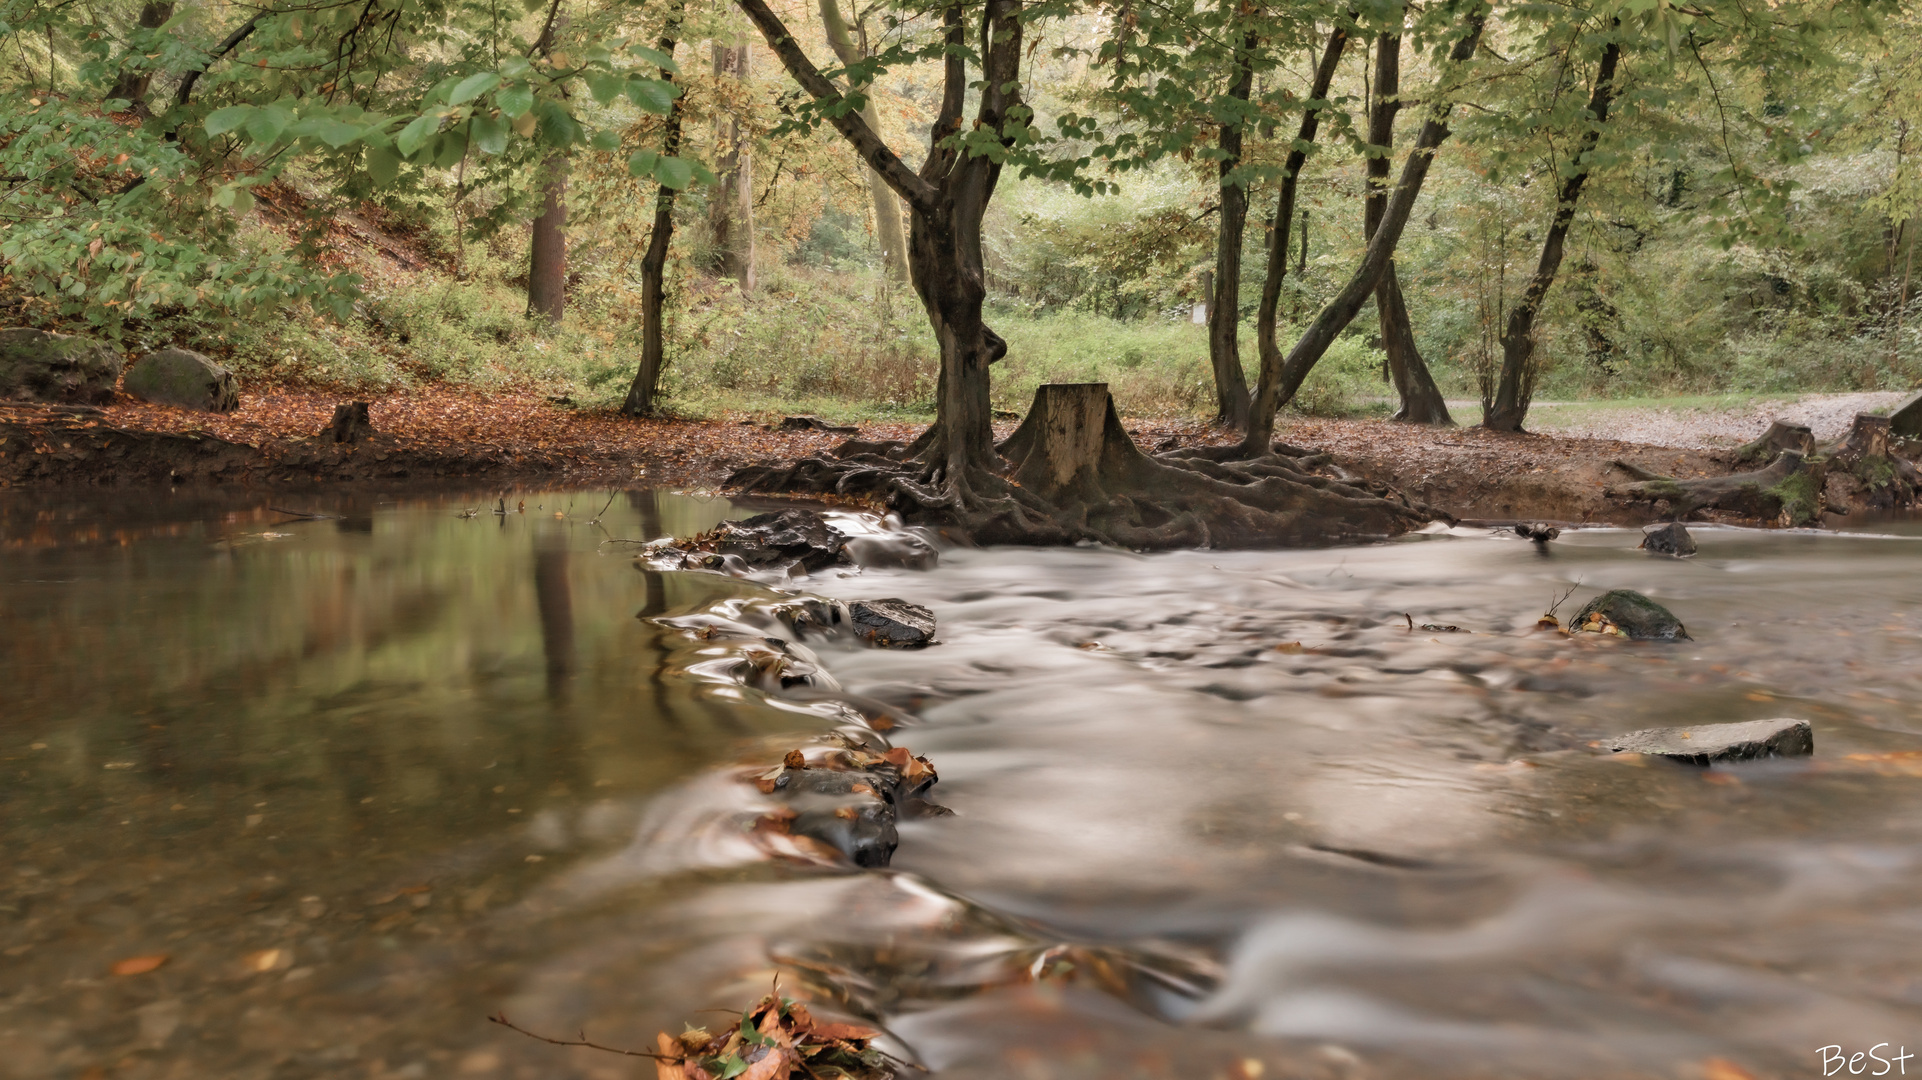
[[1706, 427]]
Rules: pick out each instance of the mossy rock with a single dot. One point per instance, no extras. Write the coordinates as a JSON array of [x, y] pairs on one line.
[[38, 366], [184, 378], [1631, 615]]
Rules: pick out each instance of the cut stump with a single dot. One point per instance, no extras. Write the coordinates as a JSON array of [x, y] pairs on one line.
[[350, 422]]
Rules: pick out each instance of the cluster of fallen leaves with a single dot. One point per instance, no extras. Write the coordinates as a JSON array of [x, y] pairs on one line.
[[776, 1039]]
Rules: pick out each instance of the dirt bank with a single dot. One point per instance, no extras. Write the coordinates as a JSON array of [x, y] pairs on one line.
[[517, 437]]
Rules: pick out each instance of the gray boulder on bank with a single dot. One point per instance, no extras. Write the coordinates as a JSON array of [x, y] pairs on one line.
[[1670, 539], [39, 366], [1631, 615], [185, 378], [1708, 743]]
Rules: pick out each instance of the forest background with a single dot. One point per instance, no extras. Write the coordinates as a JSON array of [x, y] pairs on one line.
[[355, 196]]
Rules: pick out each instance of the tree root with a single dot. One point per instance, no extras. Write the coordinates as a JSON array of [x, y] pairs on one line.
[[1073, 474], [1789, 490]]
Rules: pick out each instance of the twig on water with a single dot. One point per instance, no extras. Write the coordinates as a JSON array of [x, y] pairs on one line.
[[502, 1020]]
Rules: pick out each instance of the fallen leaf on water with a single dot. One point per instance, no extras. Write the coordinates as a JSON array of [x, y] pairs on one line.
[[1893, 763], [139, 965], [1289, 648], [795, 760], [270, 960]]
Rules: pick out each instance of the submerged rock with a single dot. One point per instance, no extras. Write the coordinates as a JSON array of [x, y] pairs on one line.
[[1629, 614], [38, 366], [184, 378], [853, 801], [894, 550], [1670, 539], [892, 624], [1706, 743]]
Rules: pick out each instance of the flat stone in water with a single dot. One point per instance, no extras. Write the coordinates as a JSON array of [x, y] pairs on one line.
[[1707, 743], [892, 624]]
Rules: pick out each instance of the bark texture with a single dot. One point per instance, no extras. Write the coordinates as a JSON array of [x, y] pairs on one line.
[[1421, 399], [1516, 383], [1278, 384], [547, 249]]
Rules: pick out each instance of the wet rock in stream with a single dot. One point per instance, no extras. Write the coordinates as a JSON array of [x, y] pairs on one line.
[[1704, 744], [1629, 614], [850, 800], [1670, 539], [892, 624]]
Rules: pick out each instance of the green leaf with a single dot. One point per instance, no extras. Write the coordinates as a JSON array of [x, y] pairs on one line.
[[515, 100], [515, 67], [652, 95], [267, 124], [489, 133], [221, 121], [557, 127], [605, 86], [473, 86], [673, 172], [703, 174], [336, 133], [383, 165], [642, 163], [451, 148], [416, 133], [605, 140], [656, 57]]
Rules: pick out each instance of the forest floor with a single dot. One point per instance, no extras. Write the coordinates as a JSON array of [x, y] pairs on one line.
[[517, 438]]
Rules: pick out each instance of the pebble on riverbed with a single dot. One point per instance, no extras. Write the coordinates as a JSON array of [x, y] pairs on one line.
[[1708, 743]]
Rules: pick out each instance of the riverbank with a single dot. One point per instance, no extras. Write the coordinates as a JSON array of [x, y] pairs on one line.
[[520, 437]]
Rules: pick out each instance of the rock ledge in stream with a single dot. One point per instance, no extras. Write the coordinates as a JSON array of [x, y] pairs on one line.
[[892, 624], [1670, 539], [1706, 743], [800, 539], [1631, 615]]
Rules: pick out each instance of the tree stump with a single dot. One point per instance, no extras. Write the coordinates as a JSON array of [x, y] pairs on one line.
[[1057, 448], [1885, 480], [350, 422], [1780, 436]]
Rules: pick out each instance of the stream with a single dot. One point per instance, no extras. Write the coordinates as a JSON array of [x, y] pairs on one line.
[[302, 797]]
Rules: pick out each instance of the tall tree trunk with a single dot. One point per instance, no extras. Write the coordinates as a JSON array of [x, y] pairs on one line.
[[1279, 382], [888, 232], [547, 250], [1516, 383], [732, 212], [643, 397], [131, 84], [1421, 399], [1224, 311], [1267, 316]]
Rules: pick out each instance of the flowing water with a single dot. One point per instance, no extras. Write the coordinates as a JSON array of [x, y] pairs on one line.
[[354, 784]]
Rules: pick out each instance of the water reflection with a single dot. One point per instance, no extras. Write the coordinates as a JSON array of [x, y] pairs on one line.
[[363, 786]]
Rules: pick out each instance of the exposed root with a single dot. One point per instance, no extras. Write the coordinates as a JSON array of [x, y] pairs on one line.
[[1788, 491], [1073, 474]]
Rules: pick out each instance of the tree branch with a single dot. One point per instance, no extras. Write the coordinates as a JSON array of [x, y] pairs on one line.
[[229, 45], [918, 192]]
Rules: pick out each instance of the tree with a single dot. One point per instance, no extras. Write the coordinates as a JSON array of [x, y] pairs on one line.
[[731, 210], [644, 394], [1516, 382], [887, 212], [1421, 399], [1279, 382]]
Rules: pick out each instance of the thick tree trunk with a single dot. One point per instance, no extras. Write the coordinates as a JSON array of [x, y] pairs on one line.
[[1267, 315], [132, 83], [547, 250], [731, 214], [1224, 312], [1421, 399], [1278, 385], [643, 396], [888, 230], [1516, 383]]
